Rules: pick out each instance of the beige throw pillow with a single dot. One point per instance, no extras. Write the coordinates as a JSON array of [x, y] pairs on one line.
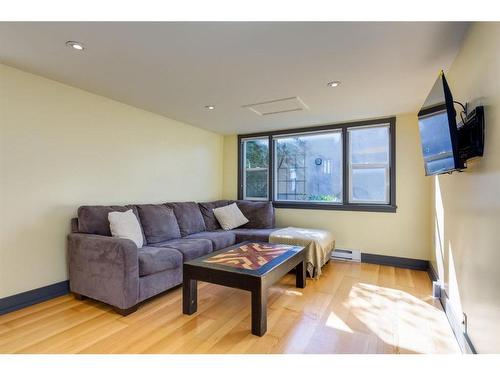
[[125, 225], [230, 217]]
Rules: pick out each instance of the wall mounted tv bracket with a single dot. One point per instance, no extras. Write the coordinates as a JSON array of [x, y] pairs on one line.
[[471, 133]]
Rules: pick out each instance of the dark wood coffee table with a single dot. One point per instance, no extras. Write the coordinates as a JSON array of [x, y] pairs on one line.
[[252, 266]]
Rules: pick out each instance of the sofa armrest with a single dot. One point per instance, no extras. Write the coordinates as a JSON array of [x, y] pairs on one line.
[[104, 268]]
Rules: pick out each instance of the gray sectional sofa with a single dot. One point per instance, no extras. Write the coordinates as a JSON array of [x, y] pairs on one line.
[[115, 271]]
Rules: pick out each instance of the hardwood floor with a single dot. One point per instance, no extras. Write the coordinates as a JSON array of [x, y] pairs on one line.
[[353, 308]]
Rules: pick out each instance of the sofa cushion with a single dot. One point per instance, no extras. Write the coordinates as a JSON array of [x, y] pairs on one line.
[[248, 234], [158, 282], [126, 225], [189, 217], [94, 219], [259, 214], [157, 259], [159, 222], [189, 247], [220, 239], [206, 209]]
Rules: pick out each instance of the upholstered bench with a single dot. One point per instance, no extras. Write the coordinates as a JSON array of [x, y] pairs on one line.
[[319, 245]]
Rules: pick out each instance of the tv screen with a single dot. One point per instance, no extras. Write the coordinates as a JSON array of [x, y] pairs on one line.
[[438, 130]]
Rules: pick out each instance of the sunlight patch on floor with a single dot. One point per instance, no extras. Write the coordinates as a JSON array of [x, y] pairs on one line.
[[292, 293], [335, 322], [419, 324]]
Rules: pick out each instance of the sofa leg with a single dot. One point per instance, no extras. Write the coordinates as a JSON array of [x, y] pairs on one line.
[[79, 297], [126, 312]]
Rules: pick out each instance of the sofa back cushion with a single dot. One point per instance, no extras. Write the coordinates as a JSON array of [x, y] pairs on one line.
[[159, 222], [188, 217], [206, 209], [260, 215], [94, 219]]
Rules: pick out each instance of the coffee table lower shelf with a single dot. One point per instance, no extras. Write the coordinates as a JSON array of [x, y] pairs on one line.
[[257, 280]]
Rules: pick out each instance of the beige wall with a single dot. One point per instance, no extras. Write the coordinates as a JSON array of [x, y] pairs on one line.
[[230, 167], [62, 147], [466, 206], [404, 234]]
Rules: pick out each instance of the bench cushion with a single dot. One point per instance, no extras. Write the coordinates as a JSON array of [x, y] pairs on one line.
[[318, 243], [220, 239], [157, 259]]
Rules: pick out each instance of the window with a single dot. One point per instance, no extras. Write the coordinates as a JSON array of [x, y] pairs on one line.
[[256, 168], [341, 167], [369, 164], [308, 167]]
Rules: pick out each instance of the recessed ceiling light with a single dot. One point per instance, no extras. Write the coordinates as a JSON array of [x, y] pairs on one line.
[[75, 45], [333, 84], [210, 107]]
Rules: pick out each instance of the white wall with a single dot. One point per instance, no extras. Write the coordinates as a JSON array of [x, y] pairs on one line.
[[61, 147], [466, 206]]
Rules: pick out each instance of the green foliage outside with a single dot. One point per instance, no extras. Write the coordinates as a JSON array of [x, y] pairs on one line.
[[256, 184], [324, 198], [257, 154]]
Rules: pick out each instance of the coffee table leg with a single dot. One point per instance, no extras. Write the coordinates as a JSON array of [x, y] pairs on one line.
[[300, 275], [259, 312], [189, 296]]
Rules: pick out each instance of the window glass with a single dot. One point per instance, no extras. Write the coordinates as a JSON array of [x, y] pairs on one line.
[[256, 168], [369, 171], [369, 185], [308, 167], [369, 145]]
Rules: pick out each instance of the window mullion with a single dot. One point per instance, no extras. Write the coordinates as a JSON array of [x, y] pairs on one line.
[[270, 170], [345, 167], [244, 168]]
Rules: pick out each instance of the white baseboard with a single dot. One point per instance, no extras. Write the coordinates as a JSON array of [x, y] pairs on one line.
[[457, 325]]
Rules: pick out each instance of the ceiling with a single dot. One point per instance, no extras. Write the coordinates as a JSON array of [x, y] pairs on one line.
[[177, 68]]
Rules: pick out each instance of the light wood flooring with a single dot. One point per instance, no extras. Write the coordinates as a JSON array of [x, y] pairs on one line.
[[352, 308]]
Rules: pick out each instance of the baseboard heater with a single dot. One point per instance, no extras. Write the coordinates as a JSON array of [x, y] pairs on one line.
[[347, 255]]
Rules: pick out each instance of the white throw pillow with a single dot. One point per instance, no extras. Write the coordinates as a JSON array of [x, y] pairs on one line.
[[125, 225], [230, 217]]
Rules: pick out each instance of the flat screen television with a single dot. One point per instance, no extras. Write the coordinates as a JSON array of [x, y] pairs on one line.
[[438, 131]]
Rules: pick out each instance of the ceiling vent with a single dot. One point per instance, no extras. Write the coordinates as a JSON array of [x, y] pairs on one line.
[[273, 107]]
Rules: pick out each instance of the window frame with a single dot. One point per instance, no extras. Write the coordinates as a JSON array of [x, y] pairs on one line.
[[244, 169], [360, 166], [345, 205]]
